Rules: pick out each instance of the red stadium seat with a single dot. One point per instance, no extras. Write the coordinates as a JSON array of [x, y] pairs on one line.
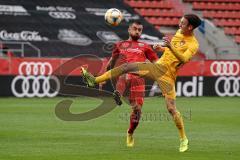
[[221, 14], [163, 21], [226, 1], [216, 6], [159, 13], [237, 39], [150, 4], [232, 30], [227, 23]]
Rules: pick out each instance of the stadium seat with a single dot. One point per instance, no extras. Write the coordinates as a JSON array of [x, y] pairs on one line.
[[237, 39], [225, 1], [216, 6], [227, 22], [232, 30], [221, 14], [159, 13], [150, 4], [163, 21]]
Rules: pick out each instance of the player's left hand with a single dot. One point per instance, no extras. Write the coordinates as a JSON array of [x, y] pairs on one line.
[[167, 42]]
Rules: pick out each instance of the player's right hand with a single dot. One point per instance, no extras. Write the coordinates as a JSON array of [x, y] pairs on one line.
[[158, 47]]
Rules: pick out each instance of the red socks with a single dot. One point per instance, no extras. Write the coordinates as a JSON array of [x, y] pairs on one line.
[[134, 120]]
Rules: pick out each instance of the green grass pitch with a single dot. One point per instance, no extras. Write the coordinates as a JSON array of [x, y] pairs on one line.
[[29, 130]]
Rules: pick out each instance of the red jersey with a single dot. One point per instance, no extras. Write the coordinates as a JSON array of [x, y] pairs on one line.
[[129, 51]]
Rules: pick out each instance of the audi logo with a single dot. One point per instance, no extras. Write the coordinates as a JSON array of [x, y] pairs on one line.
[[35, 68], [225, 68], [62, 15], [33, 86], [228, 86], [35, 80]]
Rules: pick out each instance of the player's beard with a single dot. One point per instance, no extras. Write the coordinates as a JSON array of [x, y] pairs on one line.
[[135, 37]]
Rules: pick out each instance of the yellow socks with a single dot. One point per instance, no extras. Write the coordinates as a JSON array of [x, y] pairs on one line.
[[115, 72], [179, 124]]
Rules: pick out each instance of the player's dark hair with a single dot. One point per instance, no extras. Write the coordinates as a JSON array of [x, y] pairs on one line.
[[193, 20], [136, 22]]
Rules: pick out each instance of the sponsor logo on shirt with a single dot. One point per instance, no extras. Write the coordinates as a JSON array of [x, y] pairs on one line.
[[182, 43], [140, 44], [136, 50], [125, 45]]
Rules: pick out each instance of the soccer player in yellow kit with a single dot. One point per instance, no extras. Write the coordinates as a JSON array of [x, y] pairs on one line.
[[177, 52]]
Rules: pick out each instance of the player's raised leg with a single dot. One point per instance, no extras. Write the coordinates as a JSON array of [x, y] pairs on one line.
[[143, 69], [113, 73]]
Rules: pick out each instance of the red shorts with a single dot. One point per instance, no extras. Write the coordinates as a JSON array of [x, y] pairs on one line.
[[133, 87]]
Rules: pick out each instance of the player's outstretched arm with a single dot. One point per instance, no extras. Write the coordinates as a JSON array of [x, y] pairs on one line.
[[186, 56]]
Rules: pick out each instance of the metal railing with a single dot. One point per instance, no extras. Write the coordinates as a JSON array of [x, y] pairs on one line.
[[19, 48]]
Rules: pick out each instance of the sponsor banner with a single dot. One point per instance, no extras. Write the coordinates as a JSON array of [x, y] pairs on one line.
[[21, 36], [150, 39], [13, 10], [32, 77], [45, 66], [192, 68], [101, 12], [58, 12], [41, 86], [73, 37], [108, 36], [211, 68], [203, 86]]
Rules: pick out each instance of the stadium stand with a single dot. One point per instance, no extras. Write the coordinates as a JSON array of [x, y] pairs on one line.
[[64, 28], [36, 37], [159, 13], [165, 14], [223, 13]]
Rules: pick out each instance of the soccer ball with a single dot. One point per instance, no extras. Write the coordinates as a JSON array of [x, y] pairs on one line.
[[113, 17]]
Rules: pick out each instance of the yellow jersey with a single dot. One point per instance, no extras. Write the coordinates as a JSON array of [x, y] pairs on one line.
[[185, 45]]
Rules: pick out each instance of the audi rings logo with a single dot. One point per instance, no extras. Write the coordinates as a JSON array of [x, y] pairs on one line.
[[35, 68], [62, 15], [35, 80], [225, 68], [228, 86]]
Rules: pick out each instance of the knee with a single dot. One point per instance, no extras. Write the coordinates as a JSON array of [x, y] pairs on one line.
[[129, 67], [171, 107], [171, 110], [137, 111]]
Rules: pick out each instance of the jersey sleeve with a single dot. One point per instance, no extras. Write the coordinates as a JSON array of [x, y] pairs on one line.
[[150, 54], [190, 52]]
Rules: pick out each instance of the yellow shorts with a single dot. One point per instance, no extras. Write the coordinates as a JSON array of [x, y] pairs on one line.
[[161, 74]]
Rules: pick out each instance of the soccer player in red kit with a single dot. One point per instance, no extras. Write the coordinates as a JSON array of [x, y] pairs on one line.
[[130, 51]]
